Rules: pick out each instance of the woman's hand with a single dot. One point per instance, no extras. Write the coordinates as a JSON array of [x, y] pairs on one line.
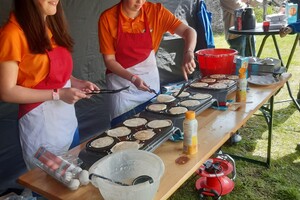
[[71, 95], [189, 65], [140, 84], [84, 86]]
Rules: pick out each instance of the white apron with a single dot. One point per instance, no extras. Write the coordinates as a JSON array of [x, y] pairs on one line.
[[134, 51], [128, 99], [51, 124]]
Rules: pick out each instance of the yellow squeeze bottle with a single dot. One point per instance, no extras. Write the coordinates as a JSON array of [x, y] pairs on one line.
[[190, 131], [241, 95]]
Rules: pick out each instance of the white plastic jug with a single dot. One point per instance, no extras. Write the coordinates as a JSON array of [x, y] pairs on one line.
[[125, 166]]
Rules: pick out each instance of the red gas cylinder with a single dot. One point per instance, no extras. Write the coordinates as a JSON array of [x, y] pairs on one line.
[[214, 179]]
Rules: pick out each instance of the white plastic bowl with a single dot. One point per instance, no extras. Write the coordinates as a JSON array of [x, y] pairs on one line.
[[124, 166]]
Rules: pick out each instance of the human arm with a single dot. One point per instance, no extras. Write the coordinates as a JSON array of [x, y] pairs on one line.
[[83, 85], [13, 93], [115, 67], [189, 36], [291, 28], [295, 27]]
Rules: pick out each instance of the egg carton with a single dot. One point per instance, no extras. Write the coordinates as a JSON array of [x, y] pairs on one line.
[[64, 168]]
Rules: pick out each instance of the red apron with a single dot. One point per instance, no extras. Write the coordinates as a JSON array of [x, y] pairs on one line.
[[59, 73], [133, 48], [51, 124], [134, 51]]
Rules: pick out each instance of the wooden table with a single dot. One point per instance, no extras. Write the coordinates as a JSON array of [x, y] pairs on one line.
[[215, 128]]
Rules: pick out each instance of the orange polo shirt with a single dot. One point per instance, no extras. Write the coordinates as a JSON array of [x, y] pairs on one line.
[[160, 20], [14, 47]]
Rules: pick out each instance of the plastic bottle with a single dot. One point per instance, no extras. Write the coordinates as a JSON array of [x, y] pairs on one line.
[[238, 19], [190, 127], [241, 95], [242, 70]]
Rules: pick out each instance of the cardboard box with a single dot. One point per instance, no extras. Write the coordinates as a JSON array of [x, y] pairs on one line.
[[241, 62], [291, 10], [242, 71]]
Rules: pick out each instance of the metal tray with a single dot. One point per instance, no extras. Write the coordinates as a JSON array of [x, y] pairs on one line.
[[90, 155], [210, 88], [220, 95], [178, 119], [177, 102]]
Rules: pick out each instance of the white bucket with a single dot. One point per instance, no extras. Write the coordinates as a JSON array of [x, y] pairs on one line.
[[124, 166]]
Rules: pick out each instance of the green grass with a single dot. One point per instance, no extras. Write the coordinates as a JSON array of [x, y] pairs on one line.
[[253, 181]]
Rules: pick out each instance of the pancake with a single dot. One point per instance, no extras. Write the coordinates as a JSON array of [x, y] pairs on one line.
[[159, 123], [200, 96], [102, 142], [183, 94], [177, 110], [135, 122], [125, 145], [119, 131], [199, 85], [157, 107], [165, 98], [218, 86], [233, 77], [208, 80], [217, 76], [227, 81], [144, 134], [190, 103]]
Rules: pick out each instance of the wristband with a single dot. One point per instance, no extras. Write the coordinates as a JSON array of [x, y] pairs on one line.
[[133, 78], [55, 94]]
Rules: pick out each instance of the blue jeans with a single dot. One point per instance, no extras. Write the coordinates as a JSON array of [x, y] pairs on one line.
[[243, 44]]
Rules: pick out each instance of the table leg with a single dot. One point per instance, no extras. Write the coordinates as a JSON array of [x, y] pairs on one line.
[[267, 111], [262, 45], [249, 43], [275, 44], [287, 67], [292, 51], [280, 58], [270, 132], [277, 49], [291, 95]]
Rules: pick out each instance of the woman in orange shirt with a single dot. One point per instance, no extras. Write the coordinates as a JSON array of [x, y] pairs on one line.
[[35, 72], [129, 36]]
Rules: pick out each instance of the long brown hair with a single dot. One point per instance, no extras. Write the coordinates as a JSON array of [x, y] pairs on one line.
[[31, 20]]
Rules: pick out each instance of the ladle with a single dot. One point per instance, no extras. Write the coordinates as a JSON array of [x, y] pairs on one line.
[[137, 180]]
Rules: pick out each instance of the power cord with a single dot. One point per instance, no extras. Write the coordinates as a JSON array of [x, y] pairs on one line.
[[213, 168], [220, 185]]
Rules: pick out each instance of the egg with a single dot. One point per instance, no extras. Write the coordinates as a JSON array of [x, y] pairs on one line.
[[68, 176], [76, 171], [74, 184], [84, 177], [54, 167]]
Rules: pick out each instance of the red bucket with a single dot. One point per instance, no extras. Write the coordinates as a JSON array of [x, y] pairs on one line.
[[216, 61]]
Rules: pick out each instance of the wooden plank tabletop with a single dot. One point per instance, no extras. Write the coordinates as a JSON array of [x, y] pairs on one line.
[[215, 127]]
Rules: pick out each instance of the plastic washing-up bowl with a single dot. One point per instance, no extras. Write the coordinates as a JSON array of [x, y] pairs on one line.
[[125, 166], [216, 61]]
